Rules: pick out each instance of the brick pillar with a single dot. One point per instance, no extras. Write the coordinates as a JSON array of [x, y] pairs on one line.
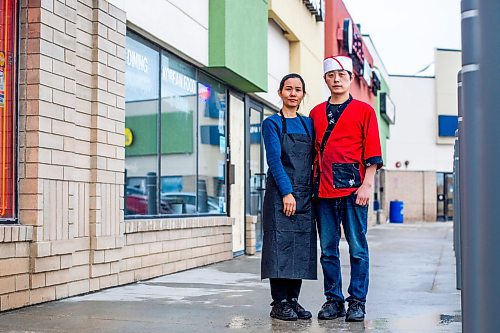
[[48, 161], [107, 47], [250, 238], [72, 76]]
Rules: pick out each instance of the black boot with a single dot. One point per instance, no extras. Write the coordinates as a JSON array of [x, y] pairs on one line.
[[299, 310], [283, 311], [356, 311], [331, 310]]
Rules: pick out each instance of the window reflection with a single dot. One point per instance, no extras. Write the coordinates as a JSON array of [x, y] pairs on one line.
[[212, 146], [169, 105], [141, 117], [178, 127]]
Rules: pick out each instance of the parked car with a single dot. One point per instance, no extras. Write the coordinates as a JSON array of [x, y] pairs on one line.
[[136, 203], [185, 202]]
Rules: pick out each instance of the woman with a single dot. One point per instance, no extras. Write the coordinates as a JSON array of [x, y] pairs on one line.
[[289, 252]]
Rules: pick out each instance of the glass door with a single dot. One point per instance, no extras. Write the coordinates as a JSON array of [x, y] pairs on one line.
[[444, 182], [440, 196], [448, 196], [255, 183]]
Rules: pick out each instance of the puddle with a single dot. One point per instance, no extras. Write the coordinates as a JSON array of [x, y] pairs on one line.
[[420, 323], [448, 319], [238, 322]]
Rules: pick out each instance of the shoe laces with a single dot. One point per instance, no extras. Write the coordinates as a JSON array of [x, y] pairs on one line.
[[282, 303], [295, 304], [333, 301], [355, 305]]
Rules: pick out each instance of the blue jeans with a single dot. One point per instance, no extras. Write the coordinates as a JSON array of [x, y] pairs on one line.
[[330, 213]]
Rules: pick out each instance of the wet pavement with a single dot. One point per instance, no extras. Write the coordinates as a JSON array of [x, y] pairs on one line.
[[412, 289]]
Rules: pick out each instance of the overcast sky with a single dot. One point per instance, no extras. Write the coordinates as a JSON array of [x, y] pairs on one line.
[[406, 32]]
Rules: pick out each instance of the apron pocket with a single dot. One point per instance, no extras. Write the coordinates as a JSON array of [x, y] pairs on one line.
[[303, 200], [346, 175]]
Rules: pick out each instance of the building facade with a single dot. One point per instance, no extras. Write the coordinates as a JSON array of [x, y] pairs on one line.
[[420, 149], [138, 150], [370, 85]]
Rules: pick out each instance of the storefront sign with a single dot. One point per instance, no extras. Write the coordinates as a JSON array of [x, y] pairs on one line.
[[317, 8], [178, 79], [129, 137], [348, 36], [353, 45], [376, 84], [141, 72], [387, 108], [137, 61], [367, 73]]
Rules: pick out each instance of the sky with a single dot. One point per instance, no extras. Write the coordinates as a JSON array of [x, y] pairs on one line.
[[406, 32]]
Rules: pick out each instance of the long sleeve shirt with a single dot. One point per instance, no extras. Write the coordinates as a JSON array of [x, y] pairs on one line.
[[271, 131]]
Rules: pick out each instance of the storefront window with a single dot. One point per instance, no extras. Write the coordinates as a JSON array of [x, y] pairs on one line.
[[8, 84], [212, 146], [166, 99], [141, 108], [178, 126]]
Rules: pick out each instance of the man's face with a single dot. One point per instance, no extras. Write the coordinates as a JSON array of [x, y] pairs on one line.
[[338, 81]]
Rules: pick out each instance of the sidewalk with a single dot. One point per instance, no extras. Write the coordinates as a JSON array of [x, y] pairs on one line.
[[412, 289]]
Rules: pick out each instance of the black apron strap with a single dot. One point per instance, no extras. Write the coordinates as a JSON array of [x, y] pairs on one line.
[[283, 122], [304, 125]]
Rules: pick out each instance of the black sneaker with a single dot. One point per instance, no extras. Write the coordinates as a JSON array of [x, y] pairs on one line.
[[331, 310], [356, 311], [299, 310], [283, 311]]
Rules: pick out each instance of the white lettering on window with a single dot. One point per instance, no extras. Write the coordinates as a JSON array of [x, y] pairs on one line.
[[137, 61], [178, 79]]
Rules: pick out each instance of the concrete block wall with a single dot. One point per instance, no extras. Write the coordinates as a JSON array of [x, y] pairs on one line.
[[158, 247], [417, 190], [15, 266], [250, 235], [72, 237]]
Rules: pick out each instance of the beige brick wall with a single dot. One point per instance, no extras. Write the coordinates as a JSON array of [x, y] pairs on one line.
[[417, 190], [72, 236], [250, 235]]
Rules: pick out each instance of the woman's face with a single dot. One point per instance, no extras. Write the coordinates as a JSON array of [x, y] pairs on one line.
[[292, 93]]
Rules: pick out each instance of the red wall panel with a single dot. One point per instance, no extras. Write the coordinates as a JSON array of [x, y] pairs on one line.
[[335, 14], [8, 57]]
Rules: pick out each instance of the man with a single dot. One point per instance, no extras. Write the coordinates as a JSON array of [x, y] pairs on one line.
[[348, 155]]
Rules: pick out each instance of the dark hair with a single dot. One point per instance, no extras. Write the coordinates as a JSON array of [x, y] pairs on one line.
[[292, 76]]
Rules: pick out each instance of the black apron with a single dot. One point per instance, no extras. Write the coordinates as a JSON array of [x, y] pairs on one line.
[[289, 247]]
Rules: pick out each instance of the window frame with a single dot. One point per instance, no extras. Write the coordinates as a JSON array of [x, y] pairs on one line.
[[162, 51]]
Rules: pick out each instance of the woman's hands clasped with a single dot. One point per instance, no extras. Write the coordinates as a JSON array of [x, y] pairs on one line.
[[289, 205]]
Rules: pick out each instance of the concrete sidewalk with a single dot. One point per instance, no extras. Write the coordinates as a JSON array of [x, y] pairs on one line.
[[412, 289]]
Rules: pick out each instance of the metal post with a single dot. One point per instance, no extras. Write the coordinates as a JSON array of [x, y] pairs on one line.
[[489, 182], [456, 190], [151, 190], [470, 158]]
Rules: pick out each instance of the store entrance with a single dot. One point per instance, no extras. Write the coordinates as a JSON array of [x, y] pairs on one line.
[[444, 181], [256, 179]]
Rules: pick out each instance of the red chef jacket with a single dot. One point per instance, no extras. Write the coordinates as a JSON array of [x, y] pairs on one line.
[[353, 145]]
